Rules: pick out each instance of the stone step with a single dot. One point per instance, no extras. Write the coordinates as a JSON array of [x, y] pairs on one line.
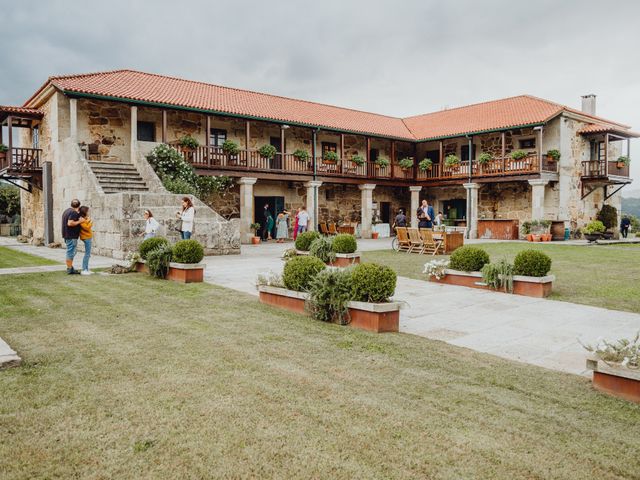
[[109, 165], [118, 189], [116, 178]]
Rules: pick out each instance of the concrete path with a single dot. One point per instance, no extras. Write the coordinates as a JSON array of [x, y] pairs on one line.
[[531, 330]]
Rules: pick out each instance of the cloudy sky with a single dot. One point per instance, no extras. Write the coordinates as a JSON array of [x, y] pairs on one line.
[[395, 57]]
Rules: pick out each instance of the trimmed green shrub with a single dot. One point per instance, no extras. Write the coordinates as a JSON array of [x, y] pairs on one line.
[[179, 186], [594, 226], [188, 251], [468, 259], [304, 240], [322, 248], [188, 141], [382, 162], [299, 271], [344, 243], [451, 160], [267, 151], [608, 215], [532, 263], [371, 282], [329, 295], [484, 158], [158, 260], [150, 244], [518, 154]]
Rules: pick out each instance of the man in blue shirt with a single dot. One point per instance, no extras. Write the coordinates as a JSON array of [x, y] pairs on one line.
[[425, 215]]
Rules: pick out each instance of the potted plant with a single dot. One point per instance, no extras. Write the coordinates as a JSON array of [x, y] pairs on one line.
[[330, 158], [406, 163], [553, 155], [616, 367], [188, 143], [608, 215], [593, 230], [267, 151], [185, 263], [623, 161], [358, 160], [3, 151], [425, 164], [484, 158], [452, 162], [255, 240], [518, 154], [230, 148], [381, 162], [301, 155]]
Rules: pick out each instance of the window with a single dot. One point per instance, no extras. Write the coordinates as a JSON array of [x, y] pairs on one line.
[[35, 137], [433, 155], [146, 131], [217, 137], [374, 153], [527, 142], [329, 147], [464, 152]]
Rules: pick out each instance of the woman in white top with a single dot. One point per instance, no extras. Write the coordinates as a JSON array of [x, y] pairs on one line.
[[151, 225], [187, 216]]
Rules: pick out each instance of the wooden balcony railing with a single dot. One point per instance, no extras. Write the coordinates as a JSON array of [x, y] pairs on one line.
[[21, 160], [603, 169], [214, 158]]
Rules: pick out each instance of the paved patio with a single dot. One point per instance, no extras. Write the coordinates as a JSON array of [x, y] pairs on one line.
[[536, 331]]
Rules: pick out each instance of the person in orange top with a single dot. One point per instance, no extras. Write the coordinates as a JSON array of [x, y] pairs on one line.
[[86, 235]]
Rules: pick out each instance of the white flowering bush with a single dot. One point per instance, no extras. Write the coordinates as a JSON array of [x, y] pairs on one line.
[[625, 352], [436, 268], [168, 163]]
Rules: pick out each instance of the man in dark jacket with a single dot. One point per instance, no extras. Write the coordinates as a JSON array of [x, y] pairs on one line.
[[71, 221], [425, 215], [265, 222], [625, 224], [400, 220]]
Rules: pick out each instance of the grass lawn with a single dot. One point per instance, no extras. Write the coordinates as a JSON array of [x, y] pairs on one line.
[[131, 377], [10, 258], [604, 276]]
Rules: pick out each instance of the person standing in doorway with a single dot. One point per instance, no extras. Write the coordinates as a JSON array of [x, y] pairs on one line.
[[86, 235], [425, 215], [266, 214], [187, 215], [303, 220], [71, 221]]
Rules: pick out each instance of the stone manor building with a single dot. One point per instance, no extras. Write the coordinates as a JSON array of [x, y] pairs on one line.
[[87, 136]]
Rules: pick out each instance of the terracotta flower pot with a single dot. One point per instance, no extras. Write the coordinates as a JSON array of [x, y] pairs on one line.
[[537, 238], [529, 237], [255, 240], [374, 235]]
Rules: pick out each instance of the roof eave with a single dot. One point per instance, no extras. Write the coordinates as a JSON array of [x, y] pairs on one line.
[[481, 132]]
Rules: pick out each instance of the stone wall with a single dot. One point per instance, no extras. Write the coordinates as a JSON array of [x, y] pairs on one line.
[[505, 200], [107, 125]]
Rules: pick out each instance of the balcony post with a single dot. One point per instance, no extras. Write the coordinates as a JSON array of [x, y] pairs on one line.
[[540, 149], [134, 133], [207, 133], [164, 126], [314, 148], [342, 159], [503, 146], [368, 156], [393, 158], [282, 147], [247, 141], [441, 154], [246, 208], [10, 137], [606, 154]]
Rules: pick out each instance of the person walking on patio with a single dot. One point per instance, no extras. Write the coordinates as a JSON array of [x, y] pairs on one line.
[[187, 215], [86, 235], [625, 224], [282, 226], [425, 215], [151, 225], [295, 225], [303, 220], [71, 221]]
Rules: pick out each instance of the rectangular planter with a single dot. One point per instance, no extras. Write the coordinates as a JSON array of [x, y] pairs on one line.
[[615, 380], [373, 317], [539, 287], [141, 267], [186, 272]]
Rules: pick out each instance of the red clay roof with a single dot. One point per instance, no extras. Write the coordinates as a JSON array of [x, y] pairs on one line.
[[602, 128], [156, 89], [10, 110]]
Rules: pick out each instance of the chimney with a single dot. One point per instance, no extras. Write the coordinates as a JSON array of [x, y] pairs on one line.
[[589, 104]]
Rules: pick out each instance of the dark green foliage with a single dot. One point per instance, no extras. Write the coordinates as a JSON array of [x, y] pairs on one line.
[[322, 248], [344, 243], [230, 147], [188, 251], [498, 275], [301, 155], [371, 282], [9, 200], [608, 215], [158, 260], [267, 151], [304, 240], [329, 294], [299, 271], [150, 244], [330, 156], [468, 259], [188, 142], [179, 186], [207, 185], [518, 154], [532, 263]]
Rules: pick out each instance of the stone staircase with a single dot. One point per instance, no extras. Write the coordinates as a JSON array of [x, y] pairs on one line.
[[118, 177]]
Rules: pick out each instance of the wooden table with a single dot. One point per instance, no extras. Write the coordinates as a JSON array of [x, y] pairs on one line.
[[499, 229], [451, 240]]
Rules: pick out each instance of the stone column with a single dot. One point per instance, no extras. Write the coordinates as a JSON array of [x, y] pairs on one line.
[[367, 209], [472, 214], [415, 203], [47, 199], [313, 187], [73, 120], [537, 198], [134, 133], [246, 208]]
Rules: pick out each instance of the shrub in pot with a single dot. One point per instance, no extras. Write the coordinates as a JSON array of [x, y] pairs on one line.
[[484, 158], [344, 243], [371, 282], [553, 155], [150, 244], [451, 161], [230, 147], [188, 251], [299, 271], [330, 157], [518, 154], [425, 164], [593, 230], [382, 162], [301, 155], [329, 295], [255, 227], [158, 260], [322, 248], [188, 142], [358, 160], [406, 163], [468, 259], [531, 263], [267, 151], [623, 161], [304, 240]]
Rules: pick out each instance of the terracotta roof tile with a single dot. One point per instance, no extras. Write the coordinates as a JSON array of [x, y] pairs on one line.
[[156, 89], [8, 110], [603, 128]]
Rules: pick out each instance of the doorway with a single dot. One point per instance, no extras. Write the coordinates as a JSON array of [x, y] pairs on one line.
[[385, 212], [276, 162], [276, 205]]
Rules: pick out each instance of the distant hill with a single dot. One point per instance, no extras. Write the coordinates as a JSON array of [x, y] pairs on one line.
[[631, 206]]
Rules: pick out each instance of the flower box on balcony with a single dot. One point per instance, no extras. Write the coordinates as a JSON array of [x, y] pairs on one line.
[[616, 380], [373, 317], [186, 272], [539, 287]]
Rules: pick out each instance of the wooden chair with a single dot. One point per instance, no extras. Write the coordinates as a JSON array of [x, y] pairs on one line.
[[323, 228], [332, 229], [404, 244], [415, 240], [429, 244]]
